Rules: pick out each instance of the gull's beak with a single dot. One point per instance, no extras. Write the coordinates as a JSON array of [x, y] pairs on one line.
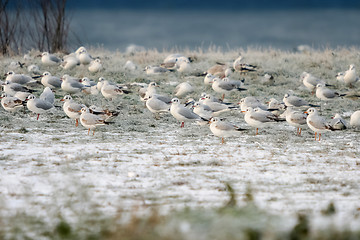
[[243, 111], [306, 112], [61, 100]]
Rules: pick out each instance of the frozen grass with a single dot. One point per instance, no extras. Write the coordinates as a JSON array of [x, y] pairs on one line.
[[57, 182]]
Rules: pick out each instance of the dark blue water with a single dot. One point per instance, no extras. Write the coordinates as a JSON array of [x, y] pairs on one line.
[[283, 29]]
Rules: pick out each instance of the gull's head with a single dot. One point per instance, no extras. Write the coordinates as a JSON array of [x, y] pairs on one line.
[[84, 109], [352, 67], [311, 111], [248, 110], [45, 54], [9, 73], [101, 79], [97, 60], [214, 119], [30, 97], [46, 74], [80, 49], [3, 95], [175, 101], [66, 98], [209, 75], [320, 85], [286, 95], [153, 84]]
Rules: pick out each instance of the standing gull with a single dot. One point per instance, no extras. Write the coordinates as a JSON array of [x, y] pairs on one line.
[[317, 123], [71, 108], [182, 113], [37, 105], [223, 129]]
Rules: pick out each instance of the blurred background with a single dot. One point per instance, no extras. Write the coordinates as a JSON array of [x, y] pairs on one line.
[[228, 24]]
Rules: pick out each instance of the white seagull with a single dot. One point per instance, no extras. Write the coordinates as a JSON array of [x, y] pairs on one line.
[[11, 104], [182, 113], [317, 123], [21, 79], [183, 89], [37, 105], [50, 81], [355, 119], [90, 121], [71, 108], [225, 86], [71, 85], [48, 95], [95, 66], [338, 123], [258, 119], [350, 77], [49, 59], [296, 119], [223, 129]]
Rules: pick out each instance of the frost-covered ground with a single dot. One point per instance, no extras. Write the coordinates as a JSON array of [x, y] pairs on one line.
[[50, 167]]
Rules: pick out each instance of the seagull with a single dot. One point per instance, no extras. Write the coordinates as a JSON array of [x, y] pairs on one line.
[[37, 105], [182, 113], [258, 119], [49, 59], [225, 86], [203, 110], [70, 62], [294, 101], [50, 81], [350, 76], [338, 123], [12, 88], [110, 91], [156, 105], [130, 66], [11, 104], [48, 95], [324, 93], [223, 129], [34, 69], [208, 80], [89, 120], [355, 119], [71, 108], [310, 81], [150, 70], [268, 79], [183, 89], [105, 114], [216, 107], [71, 85], [241, 67], [91, 86], [19, 78], [95, 66], [296, 119], [218, 70], [251, 102], [317, 123], [84, 57], [22, 95]]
